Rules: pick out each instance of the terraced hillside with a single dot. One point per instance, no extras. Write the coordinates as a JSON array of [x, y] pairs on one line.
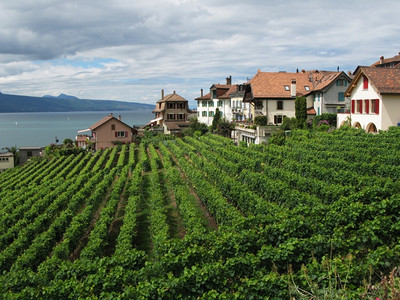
[[202, 218]]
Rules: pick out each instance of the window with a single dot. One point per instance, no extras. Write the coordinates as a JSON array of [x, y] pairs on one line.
[[359, 106], [341, 96], [375, 106], [171, 117], [29, 153], [211, 114], [181, 105], [112, 126], [214, 94], [171, 105], [287, 88], [121, 134], [365, 83], [211, 103], [278, 119], [204, 103], [341, 82], [204, 114], [279, 105], [220, 103], [366, 105], [181, 116]]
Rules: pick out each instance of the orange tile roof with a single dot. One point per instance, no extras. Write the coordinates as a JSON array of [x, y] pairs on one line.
[[272, 84]]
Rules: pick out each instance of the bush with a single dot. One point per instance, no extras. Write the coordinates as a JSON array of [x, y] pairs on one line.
[[261, 120]]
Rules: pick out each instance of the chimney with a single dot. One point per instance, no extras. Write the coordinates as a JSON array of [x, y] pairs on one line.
[[119, 117], [111, 114], [293, 88], [382, 60], [229, 80], [162, 94], [201, 93], [174, 92]]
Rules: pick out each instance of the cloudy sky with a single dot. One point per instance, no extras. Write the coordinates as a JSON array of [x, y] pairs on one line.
[[129, 50]]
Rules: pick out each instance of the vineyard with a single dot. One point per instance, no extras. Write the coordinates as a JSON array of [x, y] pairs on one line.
[[202, 218]]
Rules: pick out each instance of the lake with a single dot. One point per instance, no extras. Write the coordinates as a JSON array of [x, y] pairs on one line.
[[43, 128]]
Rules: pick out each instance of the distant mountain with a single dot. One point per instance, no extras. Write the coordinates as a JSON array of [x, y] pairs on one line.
[[16, 103], [62, 96]]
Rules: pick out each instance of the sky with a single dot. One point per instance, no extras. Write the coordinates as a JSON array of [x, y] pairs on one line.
[[129, 50]]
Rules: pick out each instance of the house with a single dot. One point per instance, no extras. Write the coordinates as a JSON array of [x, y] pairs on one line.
[[393, 62], [106, 133], [375, 99], [171, 113], [228, 98], [26, 153], [273, 94], [327, 93], [6, 161]]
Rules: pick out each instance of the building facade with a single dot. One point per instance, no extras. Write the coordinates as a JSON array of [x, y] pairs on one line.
[[172, 113], [6, 161], [375, 99], [106, 133]]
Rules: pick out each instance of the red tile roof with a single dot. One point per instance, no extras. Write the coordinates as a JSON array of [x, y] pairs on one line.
[[105, 120], [385, 80], [395, 59]]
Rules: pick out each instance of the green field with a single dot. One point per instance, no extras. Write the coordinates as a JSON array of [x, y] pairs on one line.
[[202, 218]]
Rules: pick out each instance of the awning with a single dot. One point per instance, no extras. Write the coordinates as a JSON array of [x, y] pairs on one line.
[[84, 130]]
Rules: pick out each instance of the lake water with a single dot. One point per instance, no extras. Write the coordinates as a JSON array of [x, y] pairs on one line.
[[42, 128]]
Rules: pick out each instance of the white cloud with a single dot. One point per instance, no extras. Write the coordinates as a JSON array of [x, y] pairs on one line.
[[130, 50]]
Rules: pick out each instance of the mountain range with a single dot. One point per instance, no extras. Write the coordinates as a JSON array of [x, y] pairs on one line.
[[17, 103]]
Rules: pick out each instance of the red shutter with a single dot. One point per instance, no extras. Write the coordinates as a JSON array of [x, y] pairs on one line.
[[365, 83], [377, 106], [353, 104], [366, 106], [360, 101], [116, 134]]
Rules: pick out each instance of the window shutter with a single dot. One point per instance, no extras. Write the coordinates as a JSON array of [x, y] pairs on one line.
[[365, 83], [116, 134], [275, 119], [377, 106], [367, 106], [352, 106]]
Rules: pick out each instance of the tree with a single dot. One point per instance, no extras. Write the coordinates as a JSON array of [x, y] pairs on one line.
[[216, 120], [68, 143], [301, 111], [225, 128], [195, 127]]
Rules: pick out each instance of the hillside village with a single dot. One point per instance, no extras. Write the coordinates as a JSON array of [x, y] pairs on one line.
[[368, 99]]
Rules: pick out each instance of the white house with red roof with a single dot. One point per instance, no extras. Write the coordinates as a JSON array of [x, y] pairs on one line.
[[375, 99], [228, 98]]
